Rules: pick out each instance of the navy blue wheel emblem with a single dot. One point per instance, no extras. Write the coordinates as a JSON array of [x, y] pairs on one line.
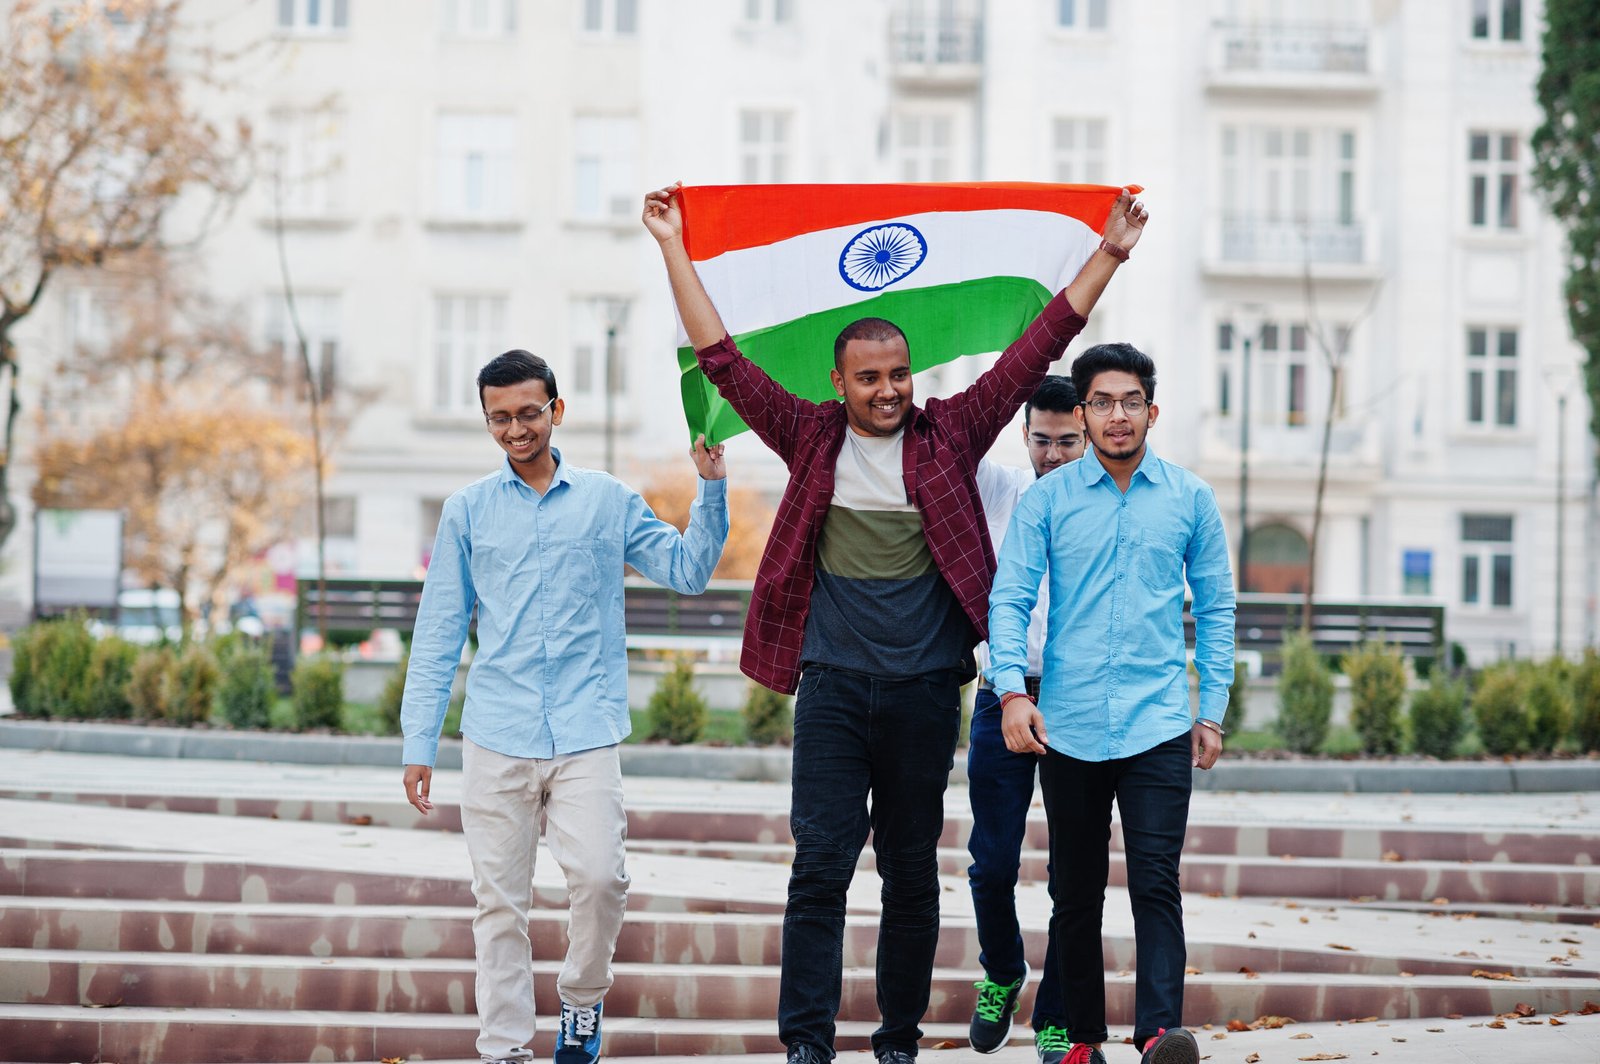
[[877, 257]]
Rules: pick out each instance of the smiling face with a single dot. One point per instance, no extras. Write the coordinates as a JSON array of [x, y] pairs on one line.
[[527, 446], [874, 380], [1054, 438], [1116, 436]]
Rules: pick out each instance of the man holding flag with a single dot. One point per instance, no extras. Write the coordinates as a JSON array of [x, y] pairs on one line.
[[873, 588]]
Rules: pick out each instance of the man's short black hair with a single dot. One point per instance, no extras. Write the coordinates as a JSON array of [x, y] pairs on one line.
[[514, 367], [1102, 358], [1055, 395], [881, 330]]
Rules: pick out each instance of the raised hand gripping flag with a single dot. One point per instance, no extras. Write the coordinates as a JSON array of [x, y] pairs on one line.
[[961, 268]]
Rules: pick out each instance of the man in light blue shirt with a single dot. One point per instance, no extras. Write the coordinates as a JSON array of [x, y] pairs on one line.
[[539, 547], [1116, 534]]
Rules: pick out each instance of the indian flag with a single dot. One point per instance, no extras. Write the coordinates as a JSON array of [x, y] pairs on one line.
[[961, 268]]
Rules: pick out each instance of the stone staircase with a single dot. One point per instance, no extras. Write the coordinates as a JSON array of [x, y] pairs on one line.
[[115, 951]]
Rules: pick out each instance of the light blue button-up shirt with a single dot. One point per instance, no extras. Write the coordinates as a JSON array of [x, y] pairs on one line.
[[551, 673], [1115, 681]]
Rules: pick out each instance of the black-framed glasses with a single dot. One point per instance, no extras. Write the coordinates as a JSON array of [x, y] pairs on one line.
[[501, 422], [1132, 405]]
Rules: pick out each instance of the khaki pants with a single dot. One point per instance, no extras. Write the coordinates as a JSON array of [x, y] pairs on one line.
[[577, 798]]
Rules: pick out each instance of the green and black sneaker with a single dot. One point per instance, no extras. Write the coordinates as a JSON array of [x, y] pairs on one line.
[[991, 1019], [1052, 1044]]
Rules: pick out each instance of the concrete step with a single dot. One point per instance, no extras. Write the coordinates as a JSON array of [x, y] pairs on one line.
[[61, 1033], [1406, 842]]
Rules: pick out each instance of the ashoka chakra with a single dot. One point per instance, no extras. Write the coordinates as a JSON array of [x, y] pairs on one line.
[[877, 257]]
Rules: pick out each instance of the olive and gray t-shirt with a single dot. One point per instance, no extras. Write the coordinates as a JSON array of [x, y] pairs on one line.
[[880, 605]]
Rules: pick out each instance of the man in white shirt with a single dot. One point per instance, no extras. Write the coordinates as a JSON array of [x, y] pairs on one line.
[[1000, 783]]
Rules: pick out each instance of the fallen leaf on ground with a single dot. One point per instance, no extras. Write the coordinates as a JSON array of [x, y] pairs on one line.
[[360, 821], [1305, 919], [1219, 1036], [1364, 1019], [1247, 971], [1408, 975], [1271, 1023], [1252, 934], [1505, 977], [1466, 953], [1302, 1034], [1436, 1030], [1522, 1008], [1238, 1025], [1192, 970], [1396, 1038], [1452, 1015], [1252, 1058], [117, 1004], [1531, 1023], [1571, 941], [947, 1044], [1390, 855], [393, 1060], [1557, 1023], [1498, 1025], [1589, 1009], [1340, 945], [1326, 1056], [1439, 901]]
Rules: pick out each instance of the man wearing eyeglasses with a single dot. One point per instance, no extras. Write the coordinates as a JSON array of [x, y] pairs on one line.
[[1000, 782], [1114, 537], [539, 548]]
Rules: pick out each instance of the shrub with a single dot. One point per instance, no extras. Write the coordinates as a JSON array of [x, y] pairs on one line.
[[195, 676], [676, 711], [249, 688], [318, 691], [110, 669], [1438, 716], [1549, 708], [1586, 701], [149, 687], [1377, 675], [1498, 709], [50, 669], [393, 696], [1305, 696], [1238, 698], [767, 716]]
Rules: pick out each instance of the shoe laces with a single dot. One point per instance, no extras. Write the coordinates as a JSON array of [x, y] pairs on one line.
[[993, 998], [579, 1021], [1052, 1039], [1082, 1053]]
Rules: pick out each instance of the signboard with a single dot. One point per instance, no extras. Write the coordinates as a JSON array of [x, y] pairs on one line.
[[77, 561]]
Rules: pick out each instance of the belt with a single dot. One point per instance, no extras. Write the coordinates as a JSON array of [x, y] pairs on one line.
[[1030, 683]]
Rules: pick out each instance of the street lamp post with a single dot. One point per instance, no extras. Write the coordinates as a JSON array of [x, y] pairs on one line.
[[1244, 467], [614, 312], [1561, 513]]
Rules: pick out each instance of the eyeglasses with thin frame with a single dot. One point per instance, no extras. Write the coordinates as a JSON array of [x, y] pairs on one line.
[[1132, 405], [1044, 443], [502, 422]]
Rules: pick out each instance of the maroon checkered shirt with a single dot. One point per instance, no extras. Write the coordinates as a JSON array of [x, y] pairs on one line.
[[943, 443]]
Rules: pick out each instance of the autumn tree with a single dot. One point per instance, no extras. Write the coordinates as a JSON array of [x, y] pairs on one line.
[[1566, 150], [97, 147], [670, 491]]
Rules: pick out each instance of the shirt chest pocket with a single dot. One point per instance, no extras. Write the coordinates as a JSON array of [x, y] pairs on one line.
[[578, 567], [1159, 558]]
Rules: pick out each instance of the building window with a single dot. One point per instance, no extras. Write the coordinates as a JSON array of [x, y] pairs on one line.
[[618, 18], [1289, 193], [474, 166], [593, 374], [319, 317], [308, 153], [1416, 572], [1492, 377], [924, 147], [605, 177], [1486, 565], [1082, 14], [769, 12], [468, 330], [1078, 151], [1497, 20], [313, 16], [1493, 174], [478, 18], [764, 147]]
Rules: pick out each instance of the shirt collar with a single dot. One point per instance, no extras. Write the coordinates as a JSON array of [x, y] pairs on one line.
[[1150, 467], [508, 475]]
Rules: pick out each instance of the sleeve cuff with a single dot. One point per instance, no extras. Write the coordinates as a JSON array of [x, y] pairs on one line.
[[712, 491], [419, 752]]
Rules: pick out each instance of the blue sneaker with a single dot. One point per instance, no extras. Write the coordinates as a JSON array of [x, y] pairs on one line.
[[578, 1040]]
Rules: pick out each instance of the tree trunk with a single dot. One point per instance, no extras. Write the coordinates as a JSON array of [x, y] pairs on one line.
[[1335, 380]]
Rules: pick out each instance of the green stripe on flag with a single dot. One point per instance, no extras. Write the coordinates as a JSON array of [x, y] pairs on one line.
[[941, 323]]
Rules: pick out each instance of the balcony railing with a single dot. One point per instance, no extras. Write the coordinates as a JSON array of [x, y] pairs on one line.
[[1246, 238], [935, 40], [1294, 47]]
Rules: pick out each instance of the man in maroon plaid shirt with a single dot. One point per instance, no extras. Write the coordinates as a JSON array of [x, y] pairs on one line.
[[871, 593]]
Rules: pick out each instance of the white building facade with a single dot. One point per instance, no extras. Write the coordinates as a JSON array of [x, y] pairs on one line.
[[1336, 182]]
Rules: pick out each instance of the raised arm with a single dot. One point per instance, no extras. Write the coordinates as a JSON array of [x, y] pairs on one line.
[[665, 222], [1124, 225], [683, 562]]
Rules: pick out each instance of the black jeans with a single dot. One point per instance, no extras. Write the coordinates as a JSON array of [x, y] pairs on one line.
[[1151, 790], [1000, 787], [895, 740]]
